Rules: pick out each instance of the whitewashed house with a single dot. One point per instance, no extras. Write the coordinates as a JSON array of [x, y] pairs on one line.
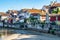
[[13, 14], [23, 15], [4, 15]]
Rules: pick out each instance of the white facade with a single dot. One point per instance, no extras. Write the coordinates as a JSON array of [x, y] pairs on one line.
[[4, 17], [22, 20], [25, 15], [42, 18]]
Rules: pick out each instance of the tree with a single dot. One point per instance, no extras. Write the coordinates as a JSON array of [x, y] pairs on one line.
[[43, 24], [55, 10], [34, 21]]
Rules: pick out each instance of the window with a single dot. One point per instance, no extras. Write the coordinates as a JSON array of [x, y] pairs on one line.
[[54, 10], [59, 9], [53, 18], [58, 18]]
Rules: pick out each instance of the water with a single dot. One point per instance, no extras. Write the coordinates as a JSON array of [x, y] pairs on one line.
[[5, 32]]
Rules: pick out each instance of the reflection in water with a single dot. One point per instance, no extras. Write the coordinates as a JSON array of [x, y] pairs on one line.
[[5, 32]]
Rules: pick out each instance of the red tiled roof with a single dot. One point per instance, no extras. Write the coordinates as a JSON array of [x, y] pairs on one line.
[[14, 11], [41, 12], [56, 4], [3, 14]]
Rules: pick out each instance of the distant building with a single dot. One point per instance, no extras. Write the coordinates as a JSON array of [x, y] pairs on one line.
[[53, 11], [12, 14], [4, 15], [23, 14], [37, 13]]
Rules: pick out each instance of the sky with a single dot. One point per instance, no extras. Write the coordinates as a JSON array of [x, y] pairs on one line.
[[6, 5]]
